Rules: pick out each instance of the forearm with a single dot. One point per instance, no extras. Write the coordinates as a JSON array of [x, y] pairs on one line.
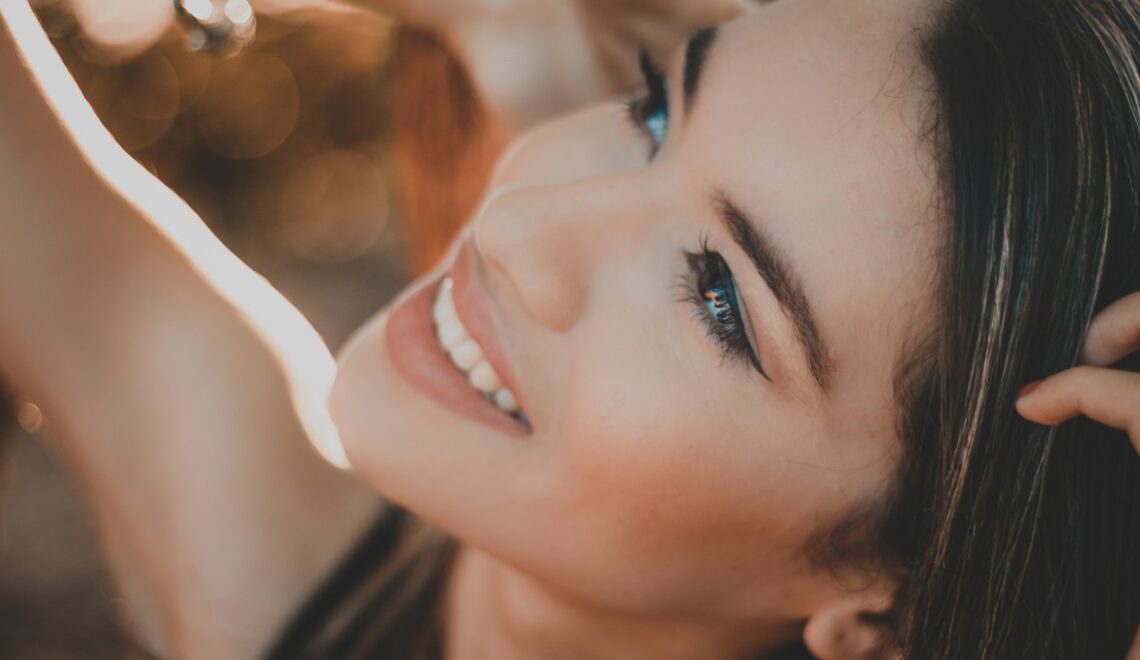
[[77, 250], [97, 252], [170, 373]]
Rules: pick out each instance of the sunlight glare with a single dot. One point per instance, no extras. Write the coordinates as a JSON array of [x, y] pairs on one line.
[[305, 359]]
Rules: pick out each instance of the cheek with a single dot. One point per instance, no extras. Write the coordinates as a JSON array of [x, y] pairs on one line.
[[670, 485]]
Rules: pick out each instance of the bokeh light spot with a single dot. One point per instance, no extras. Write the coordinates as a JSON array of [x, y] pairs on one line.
[[239, 11], [202, 10], [149, 87], [249, 107], [334, 206], [128, 26], [29, 416]]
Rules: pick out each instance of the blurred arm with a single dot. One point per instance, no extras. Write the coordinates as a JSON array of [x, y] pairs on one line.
[[181, 388]]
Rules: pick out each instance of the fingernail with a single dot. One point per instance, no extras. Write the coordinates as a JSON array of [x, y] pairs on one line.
[[1026, 390]]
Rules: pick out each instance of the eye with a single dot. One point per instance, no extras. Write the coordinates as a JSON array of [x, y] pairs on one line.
[[649, 109], [712, 290]]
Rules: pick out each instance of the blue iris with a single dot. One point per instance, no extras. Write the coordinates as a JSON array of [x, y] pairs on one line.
[[657, 124], [718, 300]]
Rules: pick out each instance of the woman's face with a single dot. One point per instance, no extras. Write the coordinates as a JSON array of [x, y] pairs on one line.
[[703, 339]]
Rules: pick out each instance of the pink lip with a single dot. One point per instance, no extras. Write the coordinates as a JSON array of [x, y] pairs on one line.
[[421, 361], [474, 310]]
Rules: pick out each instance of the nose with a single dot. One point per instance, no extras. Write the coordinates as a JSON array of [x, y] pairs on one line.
[[563, 199], [554, 243]]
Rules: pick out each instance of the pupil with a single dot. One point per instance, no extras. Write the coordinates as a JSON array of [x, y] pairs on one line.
[[717, 302]]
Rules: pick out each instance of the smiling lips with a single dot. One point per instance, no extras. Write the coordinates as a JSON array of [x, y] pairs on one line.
[[443, 340], [467, 355]]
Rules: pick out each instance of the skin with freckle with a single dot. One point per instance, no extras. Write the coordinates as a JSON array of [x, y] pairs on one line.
[[661, 479]]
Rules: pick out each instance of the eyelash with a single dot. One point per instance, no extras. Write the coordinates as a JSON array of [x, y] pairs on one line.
[[718, 314], [648, 109]]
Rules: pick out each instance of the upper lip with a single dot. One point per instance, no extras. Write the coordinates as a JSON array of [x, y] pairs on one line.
[[474, 308]]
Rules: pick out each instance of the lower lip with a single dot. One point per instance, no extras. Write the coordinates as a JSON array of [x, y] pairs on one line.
[[421, 361]]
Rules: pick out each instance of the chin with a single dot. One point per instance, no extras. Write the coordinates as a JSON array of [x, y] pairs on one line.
[[452, 469]]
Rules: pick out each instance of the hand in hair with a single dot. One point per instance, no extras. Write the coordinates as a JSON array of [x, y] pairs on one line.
[[1094, 389]]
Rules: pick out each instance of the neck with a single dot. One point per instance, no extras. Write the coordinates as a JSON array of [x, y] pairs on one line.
[[495, 612]]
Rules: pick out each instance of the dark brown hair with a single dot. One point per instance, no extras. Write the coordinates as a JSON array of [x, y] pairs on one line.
[[1021, 541]]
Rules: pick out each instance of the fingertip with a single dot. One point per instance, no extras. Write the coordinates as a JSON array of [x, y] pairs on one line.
[[1027, 389], [1023, 403], [1022, 409], [1019, 404]]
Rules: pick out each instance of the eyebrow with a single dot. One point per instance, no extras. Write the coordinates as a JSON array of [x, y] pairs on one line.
[[696, 54], [777, 272]]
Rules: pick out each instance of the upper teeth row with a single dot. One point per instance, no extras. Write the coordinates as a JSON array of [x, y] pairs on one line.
[[466, 354]]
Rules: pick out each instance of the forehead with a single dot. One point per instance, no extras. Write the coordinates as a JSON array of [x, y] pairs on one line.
[[811, 114]]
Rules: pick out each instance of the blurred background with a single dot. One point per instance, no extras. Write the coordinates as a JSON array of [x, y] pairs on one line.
[[273, 122]]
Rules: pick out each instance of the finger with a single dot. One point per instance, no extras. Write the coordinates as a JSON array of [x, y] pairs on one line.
[[1114, 333], [1108, 396], [1134, 654]]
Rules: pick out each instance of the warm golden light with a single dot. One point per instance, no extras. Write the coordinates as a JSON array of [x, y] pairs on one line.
[[305, 359], [249, 107], [333, 206]]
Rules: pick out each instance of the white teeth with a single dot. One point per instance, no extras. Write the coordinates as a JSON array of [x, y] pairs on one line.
[[451, 334], [483, 377], [444, 309], [467, 355], [505, 400]]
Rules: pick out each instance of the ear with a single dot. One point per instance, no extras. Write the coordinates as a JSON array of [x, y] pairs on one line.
[[852, 627]]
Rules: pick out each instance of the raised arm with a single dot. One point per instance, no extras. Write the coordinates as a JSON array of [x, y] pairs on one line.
[[181, 389]]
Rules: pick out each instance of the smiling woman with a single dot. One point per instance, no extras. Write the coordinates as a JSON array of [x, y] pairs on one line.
[[737, 380], [666, 487], [682, 500]]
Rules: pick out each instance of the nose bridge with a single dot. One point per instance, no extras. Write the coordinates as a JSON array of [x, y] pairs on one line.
[[550, 241]]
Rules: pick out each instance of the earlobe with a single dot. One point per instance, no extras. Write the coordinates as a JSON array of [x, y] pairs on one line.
[[852, 628]]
